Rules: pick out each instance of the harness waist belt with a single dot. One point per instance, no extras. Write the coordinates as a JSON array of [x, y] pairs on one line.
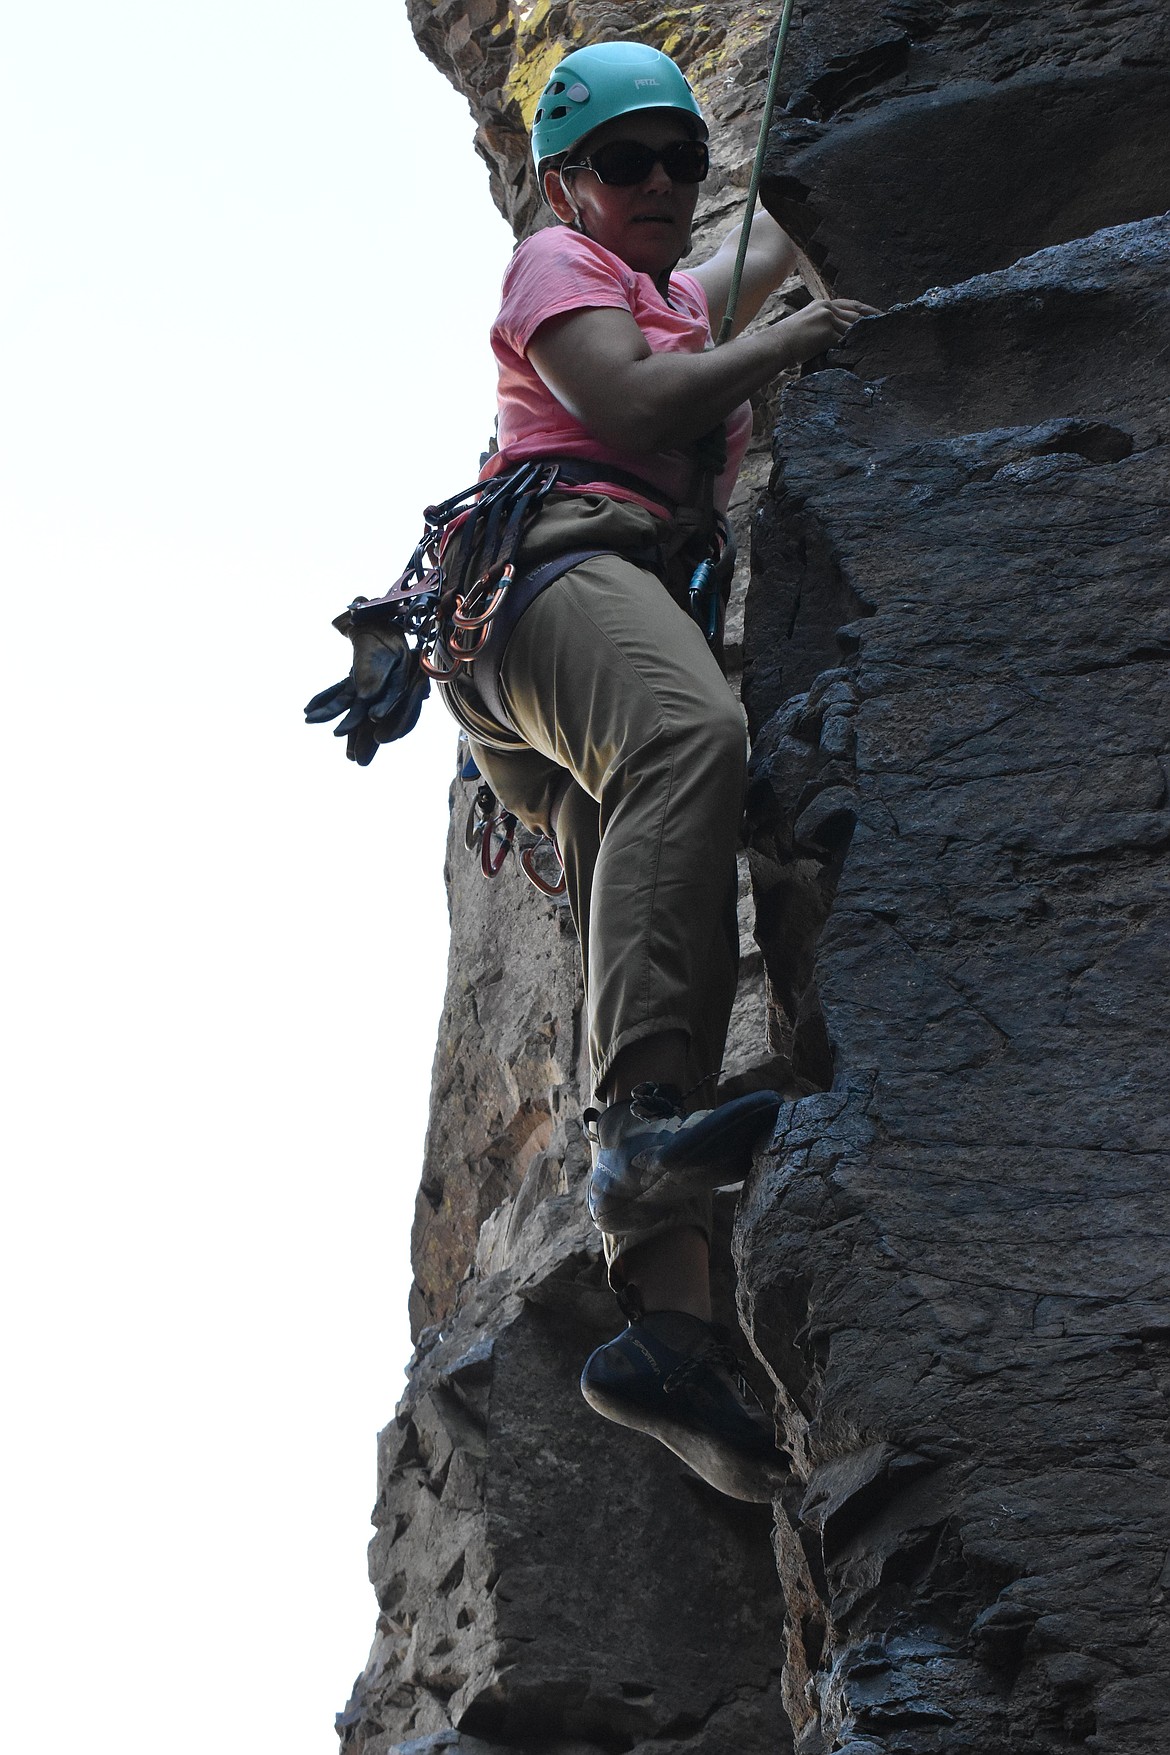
[[578, 471]]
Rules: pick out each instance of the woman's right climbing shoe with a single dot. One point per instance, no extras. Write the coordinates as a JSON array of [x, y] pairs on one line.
[[676, 1378], [649, 1156]]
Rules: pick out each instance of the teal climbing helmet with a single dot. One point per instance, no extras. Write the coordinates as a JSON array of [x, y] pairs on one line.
[[595, 84]]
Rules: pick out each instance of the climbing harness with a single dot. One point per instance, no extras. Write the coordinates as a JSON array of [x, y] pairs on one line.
[[453, 608], [443, 618], [492, 519], [704, 533], [429, 625]]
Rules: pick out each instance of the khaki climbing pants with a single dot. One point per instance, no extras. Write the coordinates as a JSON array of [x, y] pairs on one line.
[[634, 750]]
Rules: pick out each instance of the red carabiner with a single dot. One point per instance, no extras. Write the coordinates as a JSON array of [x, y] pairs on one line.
[[538, 882], [491, 863]]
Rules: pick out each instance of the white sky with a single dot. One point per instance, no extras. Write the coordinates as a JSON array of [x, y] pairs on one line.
[[250, 261]]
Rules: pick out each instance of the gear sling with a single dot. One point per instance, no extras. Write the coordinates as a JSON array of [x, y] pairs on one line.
[[454, 607]]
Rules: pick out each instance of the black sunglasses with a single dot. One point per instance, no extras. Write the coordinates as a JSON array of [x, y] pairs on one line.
[[626, 162]]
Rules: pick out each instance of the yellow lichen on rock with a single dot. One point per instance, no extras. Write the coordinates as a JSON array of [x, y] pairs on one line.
[[541, 41], [679, 33]]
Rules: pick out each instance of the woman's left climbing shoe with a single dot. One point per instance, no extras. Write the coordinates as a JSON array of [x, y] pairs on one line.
[[677, 1379], [649, 1156]]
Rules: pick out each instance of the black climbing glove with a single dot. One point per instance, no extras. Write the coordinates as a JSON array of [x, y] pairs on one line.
[[383, 694]]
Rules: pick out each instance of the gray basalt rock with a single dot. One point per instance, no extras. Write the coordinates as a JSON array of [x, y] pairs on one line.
[[954, 1260], [544, 1580], [506, 1069], [941, 141]]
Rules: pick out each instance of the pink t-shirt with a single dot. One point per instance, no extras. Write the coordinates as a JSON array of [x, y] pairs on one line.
[[558, 270]]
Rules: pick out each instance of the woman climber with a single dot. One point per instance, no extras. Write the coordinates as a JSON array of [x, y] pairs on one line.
[[614, 730]]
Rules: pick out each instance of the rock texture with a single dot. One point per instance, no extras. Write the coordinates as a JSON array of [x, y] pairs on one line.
[[542, 1582], [951, 1262], [955, 1260]]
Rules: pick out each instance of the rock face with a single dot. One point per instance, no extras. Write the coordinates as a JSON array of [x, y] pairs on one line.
[[954, 1260], [951, 1262]]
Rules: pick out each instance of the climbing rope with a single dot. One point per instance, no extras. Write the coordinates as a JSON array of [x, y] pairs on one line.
[[754, 185]]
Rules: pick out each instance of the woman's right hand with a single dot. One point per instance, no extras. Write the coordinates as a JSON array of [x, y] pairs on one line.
[[818, 327]]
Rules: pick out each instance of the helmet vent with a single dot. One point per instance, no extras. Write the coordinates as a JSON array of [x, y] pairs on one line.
[[560, 110], [557, 87]]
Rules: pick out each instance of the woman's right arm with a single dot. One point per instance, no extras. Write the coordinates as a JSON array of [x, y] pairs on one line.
[[600, 367]]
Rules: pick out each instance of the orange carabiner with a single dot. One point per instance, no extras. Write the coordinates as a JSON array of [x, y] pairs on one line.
[[467, 614], [427, 663]]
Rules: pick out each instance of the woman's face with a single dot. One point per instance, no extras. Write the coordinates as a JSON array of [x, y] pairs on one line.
[[647, 224]]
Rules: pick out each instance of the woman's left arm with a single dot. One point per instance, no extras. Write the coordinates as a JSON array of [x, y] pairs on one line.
[[770, 259]]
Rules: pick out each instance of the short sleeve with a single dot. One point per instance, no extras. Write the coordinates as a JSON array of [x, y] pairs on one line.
[[694, 295], [553, 272]]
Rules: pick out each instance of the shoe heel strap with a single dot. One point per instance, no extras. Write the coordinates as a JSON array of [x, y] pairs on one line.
[[650, 1102]]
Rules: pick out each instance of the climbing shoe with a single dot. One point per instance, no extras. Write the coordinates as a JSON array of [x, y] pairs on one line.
[[677, 1379], [649, 1156]]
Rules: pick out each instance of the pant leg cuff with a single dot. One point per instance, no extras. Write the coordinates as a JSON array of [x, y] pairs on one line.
[[603, 1066]]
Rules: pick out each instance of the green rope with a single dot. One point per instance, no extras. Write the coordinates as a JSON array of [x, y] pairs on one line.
[[754, 185]]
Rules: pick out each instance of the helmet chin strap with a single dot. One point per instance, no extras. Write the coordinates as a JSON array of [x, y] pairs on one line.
[[578, 225]]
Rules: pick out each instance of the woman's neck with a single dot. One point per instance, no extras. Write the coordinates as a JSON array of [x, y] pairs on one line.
[[661, 279]]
